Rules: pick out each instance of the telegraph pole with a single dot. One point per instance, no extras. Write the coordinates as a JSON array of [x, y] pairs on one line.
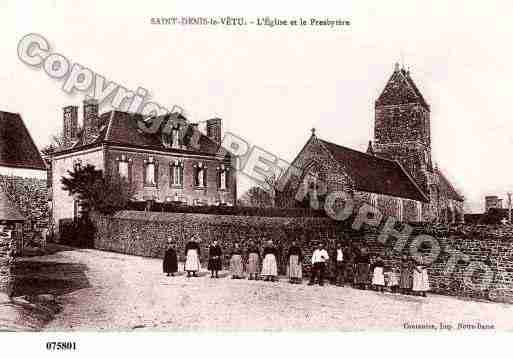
[[509, 207]]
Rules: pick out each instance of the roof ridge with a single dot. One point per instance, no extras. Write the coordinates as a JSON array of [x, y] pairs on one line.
[[360, 152], [10, 113]]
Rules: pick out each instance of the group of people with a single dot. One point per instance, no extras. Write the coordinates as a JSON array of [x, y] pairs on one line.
[[347, 265]]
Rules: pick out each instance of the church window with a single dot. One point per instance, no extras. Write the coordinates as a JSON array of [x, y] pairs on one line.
[[400, 209], [419, 211]]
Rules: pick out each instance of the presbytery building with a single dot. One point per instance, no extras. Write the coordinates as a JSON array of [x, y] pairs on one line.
[[161, 165]]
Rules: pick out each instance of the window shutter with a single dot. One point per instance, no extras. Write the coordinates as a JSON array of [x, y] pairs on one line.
[[171, 174], [180, 171], [205, 176], [145, 179], [129, 171], [156, 175], [196, 180]]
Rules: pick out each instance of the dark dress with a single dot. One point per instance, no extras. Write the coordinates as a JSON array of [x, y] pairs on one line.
[[406, 279], [362, 269], [170, 264], [214, 261], [349, 265]]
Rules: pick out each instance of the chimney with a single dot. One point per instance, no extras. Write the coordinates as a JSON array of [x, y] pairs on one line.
[[70, 123], [90, 119], [214, 129]]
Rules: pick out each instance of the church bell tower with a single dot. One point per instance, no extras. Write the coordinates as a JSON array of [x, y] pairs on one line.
[[402, 128]]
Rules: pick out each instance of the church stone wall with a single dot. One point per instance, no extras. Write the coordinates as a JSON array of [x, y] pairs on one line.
[[319, 161]]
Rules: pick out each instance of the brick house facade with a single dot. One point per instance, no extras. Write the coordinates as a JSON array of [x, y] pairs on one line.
[[396, 174], [173, 166]]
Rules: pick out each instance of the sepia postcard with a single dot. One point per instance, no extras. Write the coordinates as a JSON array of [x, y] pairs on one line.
[[171, 168]]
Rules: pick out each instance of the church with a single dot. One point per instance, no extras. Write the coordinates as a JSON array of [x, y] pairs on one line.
[[396, 174]]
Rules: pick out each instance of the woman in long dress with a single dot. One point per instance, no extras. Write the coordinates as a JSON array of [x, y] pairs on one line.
[[236, 262], [253, 261], [192, 260], [420, 280], [215, 259], [170, 263], [269, 264], [406, 278], [349, 267], [362, 269], [391, 277], [295, 262], [378, 277]]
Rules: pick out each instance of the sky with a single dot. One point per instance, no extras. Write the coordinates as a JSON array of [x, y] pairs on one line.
[[272, 85]]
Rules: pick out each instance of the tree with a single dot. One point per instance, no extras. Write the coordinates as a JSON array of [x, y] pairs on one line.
[[97, 192], [256, 197]]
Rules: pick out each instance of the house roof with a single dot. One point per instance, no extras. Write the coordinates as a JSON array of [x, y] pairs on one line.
[[447, 187], [401, 89], [17, 149], [8, 212], [122, 128], [375, 174]]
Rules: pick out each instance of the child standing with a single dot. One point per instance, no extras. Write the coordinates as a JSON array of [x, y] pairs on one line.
[[391, 276], [420, 280], [378, 278]]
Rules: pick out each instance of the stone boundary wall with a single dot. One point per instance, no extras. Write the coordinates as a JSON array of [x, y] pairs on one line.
[[145, 234]]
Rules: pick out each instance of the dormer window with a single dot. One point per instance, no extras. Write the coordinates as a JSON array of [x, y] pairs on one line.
[[150, 172], [175, 137], [200, 175], [176, 173]]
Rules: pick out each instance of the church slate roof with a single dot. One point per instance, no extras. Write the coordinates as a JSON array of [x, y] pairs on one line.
[[375, 174], [400, 89], [17, 149], [447, 187], [122, 129]]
